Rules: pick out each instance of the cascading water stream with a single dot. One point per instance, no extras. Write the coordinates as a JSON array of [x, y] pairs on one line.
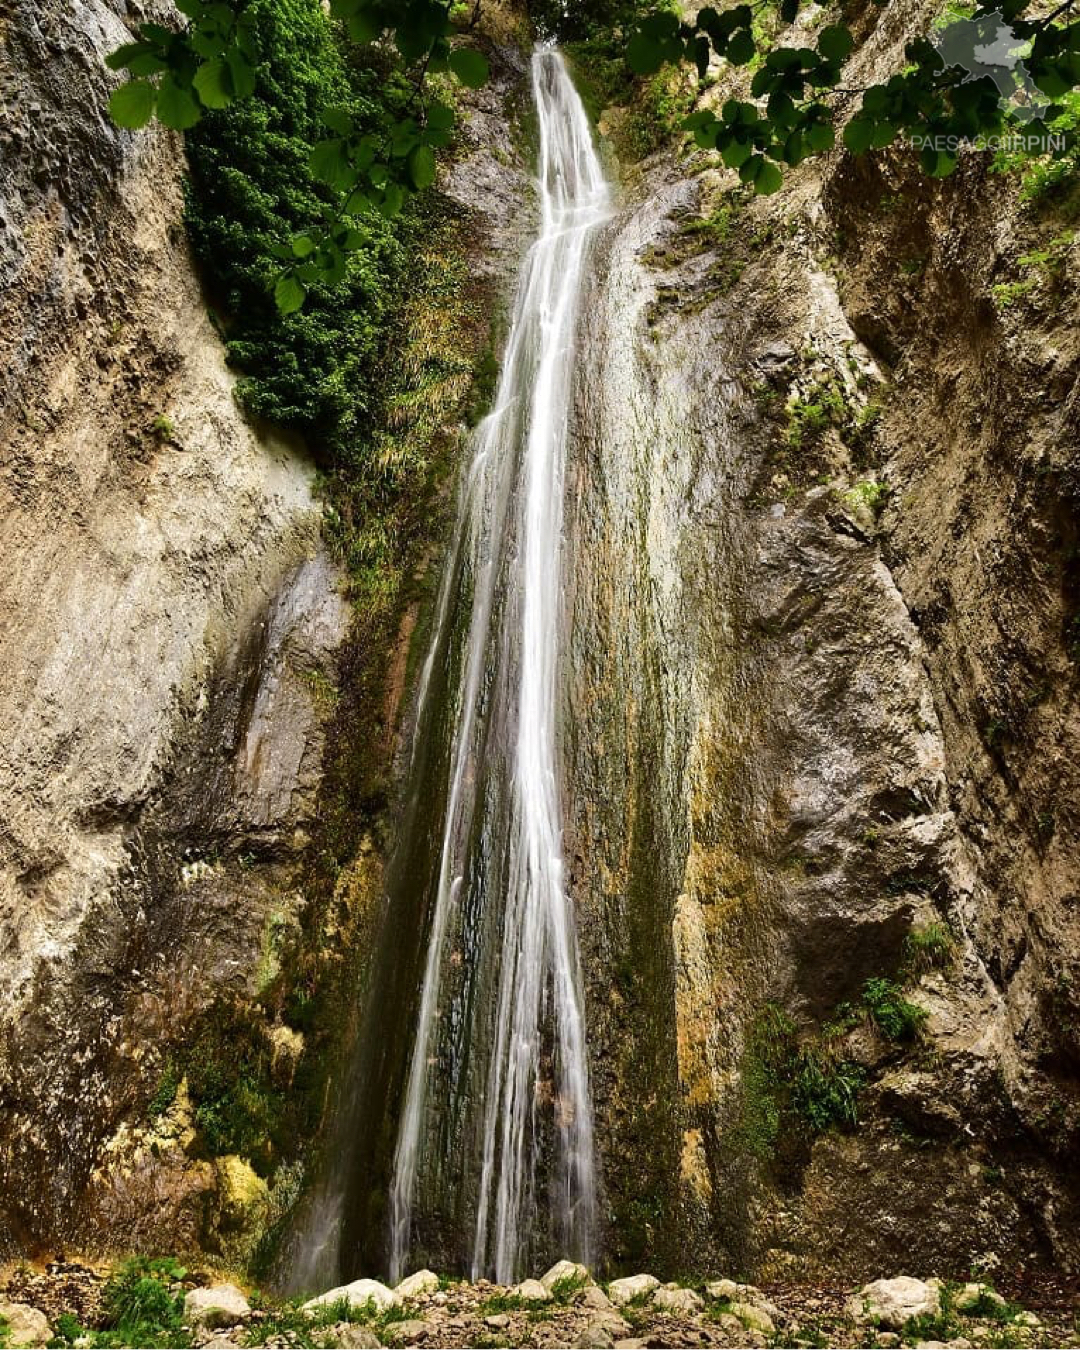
[[498, 895]]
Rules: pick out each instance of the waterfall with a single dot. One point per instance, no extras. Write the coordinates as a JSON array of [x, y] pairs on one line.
[[498, 899]]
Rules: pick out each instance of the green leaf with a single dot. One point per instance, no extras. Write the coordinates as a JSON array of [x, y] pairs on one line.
[[440, 116], [146, 64], [191, 9], [132, 105], [213, 84], [364, 27], [883, 134], [820, 136], [858, 134], [303, 245], [644, 56], [422, 167], [470, 66], [736, 153], [123, 56], [339, 120], [769, 179], [156, 34], [937, 163], [175, 106], [329, 162], [393, 200], [741, 48], [289, 295], [835, 42], [1051, 82], [242, 72], [782, 110]]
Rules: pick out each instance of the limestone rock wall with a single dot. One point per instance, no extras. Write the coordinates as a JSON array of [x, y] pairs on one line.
[[169, 618], [823, 697]]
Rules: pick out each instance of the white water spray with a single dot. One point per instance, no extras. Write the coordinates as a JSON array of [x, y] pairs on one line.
[[509, 547]]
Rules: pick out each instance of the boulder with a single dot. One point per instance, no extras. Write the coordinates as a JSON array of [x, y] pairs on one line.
[[890, 1303], [564, 1270], [222, 1305], [410, 1332], [358, 1294], [594, 1337], [670, 1298], [497, 1321], [353, 1336], [754, 1318], [26, 1325], [418, 1285], [595, 1298], [532, 1291], [722, 1289], [626, 1290]]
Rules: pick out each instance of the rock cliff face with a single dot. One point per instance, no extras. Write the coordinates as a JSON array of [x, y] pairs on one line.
[[821, 747], [168, 612], [823, 712]]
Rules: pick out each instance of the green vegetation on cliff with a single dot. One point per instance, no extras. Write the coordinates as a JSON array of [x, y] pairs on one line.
[[251, 187]]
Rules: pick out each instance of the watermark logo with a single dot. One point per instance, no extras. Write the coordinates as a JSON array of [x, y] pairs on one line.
[[987, 48]]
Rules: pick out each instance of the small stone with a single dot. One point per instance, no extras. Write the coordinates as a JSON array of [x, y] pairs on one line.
[[594, 1297], [410, 1332], [1026, 1319], [418, 1285], [888, 1340], [532, 1291], [26, 1325], [353, 1336], [222, 1305], [358, 1294], [626, 1290], [892, 1302], [722, 1289], [631, 1343], [754, 1318], [681, 1302], [594, 1337], [497, 1321], [564, 1270]]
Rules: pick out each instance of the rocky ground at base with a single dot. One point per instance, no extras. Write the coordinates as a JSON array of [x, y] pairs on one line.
[[71, 1305]]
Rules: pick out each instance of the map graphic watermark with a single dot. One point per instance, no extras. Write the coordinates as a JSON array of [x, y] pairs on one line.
[[986, 48]]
